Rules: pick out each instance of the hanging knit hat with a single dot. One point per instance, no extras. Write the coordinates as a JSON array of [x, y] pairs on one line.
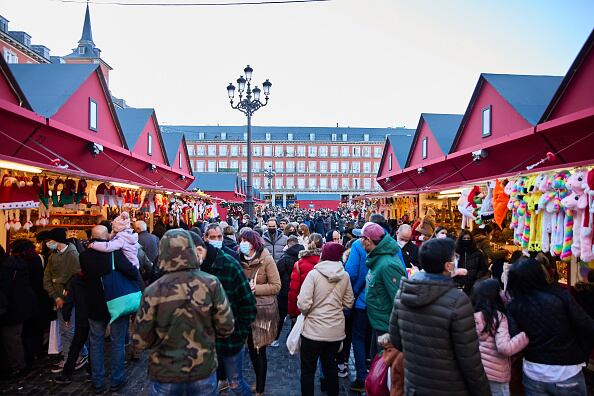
[[121, 222]]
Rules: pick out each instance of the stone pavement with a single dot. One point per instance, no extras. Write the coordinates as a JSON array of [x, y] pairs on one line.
[[282, 379]]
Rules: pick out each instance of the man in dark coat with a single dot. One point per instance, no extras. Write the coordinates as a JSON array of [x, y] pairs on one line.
[[285, 267], [409, 249], [432, 323], [149, 242]]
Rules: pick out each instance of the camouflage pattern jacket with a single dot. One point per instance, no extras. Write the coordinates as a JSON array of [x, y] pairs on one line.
[[181, 314]]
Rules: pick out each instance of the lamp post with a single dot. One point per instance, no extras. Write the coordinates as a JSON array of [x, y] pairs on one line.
[[269, 174], [248, 106]]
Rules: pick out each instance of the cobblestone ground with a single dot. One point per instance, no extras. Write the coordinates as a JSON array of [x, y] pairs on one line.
[[282, 379]]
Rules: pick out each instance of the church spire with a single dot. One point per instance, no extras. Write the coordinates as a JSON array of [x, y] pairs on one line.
[[87, 34], [86, 47]]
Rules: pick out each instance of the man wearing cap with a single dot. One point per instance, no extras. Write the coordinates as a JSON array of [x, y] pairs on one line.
[[61, 266], [386, 268]]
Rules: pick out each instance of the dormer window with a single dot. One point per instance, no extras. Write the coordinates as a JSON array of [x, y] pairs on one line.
[[268, 136], [245, 136], [334, 137], [365, 137], [149, 149], [312, 136], [223, 135], [81, 50], [92, 115], [424, 148], [289, 136], [344, 137], [200, 135], [486, 121]]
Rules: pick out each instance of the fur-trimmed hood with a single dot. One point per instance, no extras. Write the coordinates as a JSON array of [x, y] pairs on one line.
[[308, 252]]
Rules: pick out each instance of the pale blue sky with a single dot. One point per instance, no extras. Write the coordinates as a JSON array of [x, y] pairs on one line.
[[374, 63]]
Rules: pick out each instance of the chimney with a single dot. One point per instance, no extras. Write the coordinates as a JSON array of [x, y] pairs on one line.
[[21, 37], [41, 50]]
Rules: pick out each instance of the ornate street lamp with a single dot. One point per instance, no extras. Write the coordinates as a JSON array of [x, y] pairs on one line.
[[248, 106], [269, 174]]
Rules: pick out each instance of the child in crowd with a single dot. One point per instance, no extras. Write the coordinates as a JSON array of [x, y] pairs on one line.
[[496, 345], [124, 239]]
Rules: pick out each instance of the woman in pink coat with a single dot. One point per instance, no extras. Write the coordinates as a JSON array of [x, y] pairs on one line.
[[496, 345]]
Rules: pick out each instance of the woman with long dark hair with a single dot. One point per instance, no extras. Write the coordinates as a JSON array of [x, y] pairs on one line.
[[559, 330], [495, 343], [471, 258]]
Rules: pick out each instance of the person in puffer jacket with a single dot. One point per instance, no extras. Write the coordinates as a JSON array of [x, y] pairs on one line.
[[495, 343]]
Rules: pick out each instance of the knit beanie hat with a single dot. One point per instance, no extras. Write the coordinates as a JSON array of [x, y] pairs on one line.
[[332, 251], [121, 222], [57, 234]]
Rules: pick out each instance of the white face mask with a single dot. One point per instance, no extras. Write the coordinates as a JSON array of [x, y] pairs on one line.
[[402, 243], [52, 246], [441, 236], [245, 247]]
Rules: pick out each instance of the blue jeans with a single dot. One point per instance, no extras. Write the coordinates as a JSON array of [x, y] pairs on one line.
[[359, 333], [205, 387], [574, 386], [499, 388], [119, 328], [233, 369], [67, 334]]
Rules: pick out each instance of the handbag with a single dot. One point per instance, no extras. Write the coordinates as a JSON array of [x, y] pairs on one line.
[[266, 323], [121, 294], [376, 383], [54, 342], [294, 337]]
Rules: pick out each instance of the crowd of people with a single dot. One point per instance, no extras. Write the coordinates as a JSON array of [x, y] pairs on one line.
[[445, 314]]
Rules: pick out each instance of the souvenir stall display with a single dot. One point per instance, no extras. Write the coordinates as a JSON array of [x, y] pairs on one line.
[[443, 204], [398, 207]]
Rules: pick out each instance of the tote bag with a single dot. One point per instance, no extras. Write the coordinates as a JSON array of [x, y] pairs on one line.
[[294, 337], [54, 342], [121, 294]]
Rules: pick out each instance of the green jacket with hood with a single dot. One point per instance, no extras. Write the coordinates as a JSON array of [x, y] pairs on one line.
[[181, 314], [383, 281]]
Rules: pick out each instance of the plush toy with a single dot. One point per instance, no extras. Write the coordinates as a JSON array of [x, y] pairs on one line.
[[486, 212], [111, 197], [500, 199], [587, 251], [465, 209], [28, 224], [577, 202], [81, 195], [68, 191], [100, 194], [58, 186], [561, 224]]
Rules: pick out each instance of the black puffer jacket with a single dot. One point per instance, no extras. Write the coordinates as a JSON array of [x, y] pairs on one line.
[[584, 294], [432, 323], [285, 267], [555, 325], [475, 263]]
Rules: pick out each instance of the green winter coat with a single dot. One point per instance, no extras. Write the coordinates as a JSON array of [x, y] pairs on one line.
[[181, 314], [383, 281]]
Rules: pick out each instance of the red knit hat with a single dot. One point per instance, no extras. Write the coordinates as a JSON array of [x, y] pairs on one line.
[[332, 251]]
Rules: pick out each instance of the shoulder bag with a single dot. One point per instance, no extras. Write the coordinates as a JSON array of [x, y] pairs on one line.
[[266, 323], [121, 294]]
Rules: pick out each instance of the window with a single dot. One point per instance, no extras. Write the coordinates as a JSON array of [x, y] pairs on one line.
[[289, 136], [366, 167], [149, 148], [267, 165], [258, 151], [234, 164], [301, 183], [212, 150], [312, 182], [334, 137], [367, 184], [323, 151], [199, 166], [81, 50], [345, 137], [200, 150], [257, 182], [244, 150], [278, 166], [356, 166], [301, 166], [323, 183], [356, 183], [290, 183], [365, 137], [10, 56], [267, 151], [200, 135], [312, 151], [334, 167], [390, 161], [366, 152], [256, 166], [334, 151], [487, 121], [179, 159], [344, 166], [312, 166], [356, 151], [223, 135], [278, 151], [222, 165], [323, 166], [334, 183], [223, 150], [312, 136], [377, 152], [278, 182], [375, 167], [245, 136], [345, 151], [301, 151], [268, 136], [345, 183], [424, 148], [290, 165], [290, 151], [92, 115], [234, 150], [244, 166], [212, 166]]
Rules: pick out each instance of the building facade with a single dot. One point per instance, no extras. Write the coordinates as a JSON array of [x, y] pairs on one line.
[[291, 160]]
